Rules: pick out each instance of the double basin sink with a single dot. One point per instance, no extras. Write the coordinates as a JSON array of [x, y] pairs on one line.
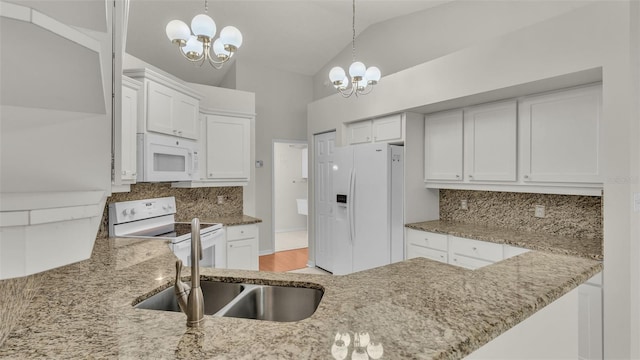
[[249, 301]]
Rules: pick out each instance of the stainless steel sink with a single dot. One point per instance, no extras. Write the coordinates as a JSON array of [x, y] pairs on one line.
[[275, 303], [249, 301], [216, 295]]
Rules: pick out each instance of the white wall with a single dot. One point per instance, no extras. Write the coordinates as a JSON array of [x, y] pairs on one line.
[[400, 43], [593, 36], [288, 186], [281, 110]]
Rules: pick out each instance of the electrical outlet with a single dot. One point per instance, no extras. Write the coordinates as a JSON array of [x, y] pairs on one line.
[[464, 205], [220, 199], [539, 212]]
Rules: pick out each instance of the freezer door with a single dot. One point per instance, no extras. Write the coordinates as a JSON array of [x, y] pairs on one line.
[[342, 230], [371, 202]]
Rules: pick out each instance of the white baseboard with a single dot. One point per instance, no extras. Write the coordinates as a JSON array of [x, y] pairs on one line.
[[291, 230], [265, 252]]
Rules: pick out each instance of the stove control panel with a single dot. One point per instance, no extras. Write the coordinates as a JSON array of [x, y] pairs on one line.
[[127, 211]]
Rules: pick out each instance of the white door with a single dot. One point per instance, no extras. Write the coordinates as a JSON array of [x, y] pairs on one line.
[[324, 198], [443, 146], [359, 132], [560, 134], [228, 147], [388, 128], [490, 135]]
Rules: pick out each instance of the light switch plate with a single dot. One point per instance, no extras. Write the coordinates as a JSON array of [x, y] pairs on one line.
[[539, 213]]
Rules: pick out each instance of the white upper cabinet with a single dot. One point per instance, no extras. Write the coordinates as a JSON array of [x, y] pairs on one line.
[[125, 144], [490, 133], [388, 128], [359, 132], [560, 136], [385, 129], [228, 148], [169, 107], [545, 143], [443, 146]]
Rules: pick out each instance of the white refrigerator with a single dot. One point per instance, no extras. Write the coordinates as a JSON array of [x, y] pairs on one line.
[[368, 229]]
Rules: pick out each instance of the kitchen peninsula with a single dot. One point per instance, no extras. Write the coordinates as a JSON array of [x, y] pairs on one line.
[[416, 309]]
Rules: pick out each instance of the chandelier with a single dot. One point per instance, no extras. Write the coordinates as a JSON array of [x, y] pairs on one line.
[[195, 43], [362, 78]]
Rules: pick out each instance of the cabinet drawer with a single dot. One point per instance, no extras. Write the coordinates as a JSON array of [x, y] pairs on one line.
[[419, 251], [427, 239], [241, 232], [476, 249], [468, 262]]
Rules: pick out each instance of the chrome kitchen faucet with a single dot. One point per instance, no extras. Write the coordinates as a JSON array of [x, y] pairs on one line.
[[190, 298]]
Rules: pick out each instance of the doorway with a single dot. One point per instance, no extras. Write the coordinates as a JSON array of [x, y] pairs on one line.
[[290, 210], [324, 199]]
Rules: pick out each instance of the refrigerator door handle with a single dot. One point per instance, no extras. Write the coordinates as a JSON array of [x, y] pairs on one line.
[[352, 206]]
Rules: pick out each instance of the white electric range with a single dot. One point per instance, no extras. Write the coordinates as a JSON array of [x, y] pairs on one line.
[[155, 219]]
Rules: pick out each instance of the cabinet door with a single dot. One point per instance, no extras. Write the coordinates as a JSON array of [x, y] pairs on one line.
[[560, 136], [443, 146], [159, 108], [185, 116], [590, 322], [359, 132], [388, 128], [490, 135], [242, 254], [228, 147], [419, 251], [468, 262], [128, 135]]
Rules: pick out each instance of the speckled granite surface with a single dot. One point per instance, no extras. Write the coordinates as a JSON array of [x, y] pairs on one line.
[[417, 309], [583, 247], [566, 215], [232, 220]]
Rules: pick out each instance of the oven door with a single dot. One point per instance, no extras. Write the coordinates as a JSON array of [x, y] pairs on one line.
[[214, 250], [166, 158]]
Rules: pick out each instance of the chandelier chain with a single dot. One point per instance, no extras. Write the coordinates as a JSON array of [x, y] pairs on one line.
[[206, 6], [353, 27]]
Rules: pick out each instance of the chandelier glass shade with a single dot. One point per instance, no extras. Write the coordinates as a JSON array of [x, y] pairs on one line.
[[196, 43], [362, 78]]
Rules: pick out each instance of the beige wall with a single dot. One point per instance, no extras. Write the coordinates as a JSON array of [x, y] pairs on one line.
[[598, 35], [288, 186], [281, 113]]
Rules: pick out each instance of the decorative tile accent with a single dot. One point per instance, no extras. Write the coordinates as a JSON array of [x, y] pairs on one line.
[[566, 215], [190, 203]]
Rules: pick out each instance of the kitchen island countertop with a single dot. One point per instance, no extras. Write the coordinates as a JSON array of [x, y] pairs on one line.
[[417, 309], [583, 247]]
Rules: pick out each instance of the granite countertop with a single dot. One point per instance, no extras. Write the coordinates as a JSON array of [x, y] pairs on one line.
[[417, 309], [583, 247], [232, 220]]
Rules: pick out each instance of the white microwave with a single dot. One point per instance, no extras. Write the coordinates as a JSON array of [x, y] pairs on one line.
[[166, 158]]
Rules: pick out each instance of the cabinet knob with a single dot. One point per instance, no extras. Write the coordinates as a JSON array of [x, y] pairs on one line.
[[457, 176], [175, 131], [526, 176], [179, 132], [470, 176], [134, 174], [241, 231], [475, 248], [211, 174]]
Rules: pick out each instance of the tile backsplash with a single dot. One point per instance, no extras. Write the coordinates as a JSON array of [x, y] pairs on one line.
[[565, 215], [190, 203]]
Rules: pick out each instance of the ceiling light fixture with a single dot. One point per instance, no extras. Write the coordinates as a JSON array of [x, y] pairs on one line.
[[195, 43], [362, 78]]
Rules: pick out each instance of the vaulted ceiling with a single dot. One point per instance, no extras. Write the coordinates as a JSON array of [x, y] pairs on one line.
[[294, 35]]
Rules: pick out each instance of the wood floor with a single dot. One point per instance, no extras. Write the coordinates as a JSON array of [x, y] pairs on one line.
[[285, 260]]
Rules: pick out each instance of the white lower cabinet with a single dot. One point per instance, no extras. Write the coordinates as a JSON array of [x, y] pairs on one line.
[[579, 312], [428, 245], [590, 319], [242, 247]]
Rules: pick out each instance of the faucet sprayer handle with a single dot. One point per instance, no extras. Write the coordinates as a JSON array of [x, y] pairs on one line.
[[181, 289]]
